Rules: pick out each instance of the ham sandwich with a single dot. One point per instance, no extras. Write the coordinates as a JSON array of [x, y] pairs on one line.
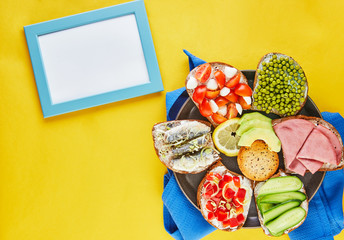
[[309, 144]]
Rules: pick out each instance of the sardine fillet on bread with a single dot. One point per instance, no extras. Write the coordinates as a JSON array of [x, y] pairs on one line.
[[185, 146]]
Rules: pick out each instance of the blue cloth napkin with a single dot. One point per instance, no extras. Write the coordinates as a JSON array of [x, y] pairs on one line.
[[184, 222]]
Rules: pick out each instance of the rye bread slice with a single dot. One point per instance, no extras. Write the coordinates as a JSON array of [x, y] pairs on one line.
[[168, 162], [199, 197], [318, 121], [215, 66], [304, 204], [266, 58]]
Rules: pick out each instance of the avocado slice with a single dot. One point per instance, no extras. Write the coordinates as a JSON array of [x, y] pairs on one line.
[[267, 135], [253, 123], [254, 115]]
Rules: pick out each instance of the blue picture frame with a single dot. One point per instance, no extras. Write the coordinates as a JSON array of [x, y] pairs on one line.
[[32, 33]]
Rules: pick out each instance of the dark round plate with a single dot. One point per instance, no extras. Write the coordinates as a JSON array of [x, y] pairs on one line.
[[189, 182]]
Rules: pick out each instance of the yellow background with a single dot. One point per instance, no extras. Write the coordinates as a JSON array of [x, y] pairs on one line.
[[93, 174]]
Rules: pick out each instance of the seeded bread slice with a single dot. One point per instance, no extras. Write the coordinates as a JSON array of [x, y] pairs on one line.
[[257, 162]]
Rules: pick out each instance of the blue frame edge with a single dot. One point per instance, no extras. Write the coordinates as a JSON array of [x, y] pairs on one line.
[[32, 32]]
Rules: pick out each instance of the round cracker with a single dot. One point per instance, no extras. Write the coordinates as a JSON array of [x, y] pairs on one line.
[[257, 162]]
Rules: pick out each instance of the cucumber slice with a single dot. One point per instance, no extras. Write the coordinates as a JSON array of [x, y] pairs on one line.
[[280, 185], [286, 221], [265, 207], [283, 197], [279, 210]]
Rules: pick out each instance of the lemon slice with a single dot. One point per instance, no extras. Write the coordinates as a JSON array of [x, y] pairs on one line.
[[225, 137]]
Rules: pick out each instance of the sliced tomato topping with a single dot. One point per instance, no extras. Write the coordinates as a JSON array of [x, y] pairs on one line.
[[210, 206], [243, 103], [239, 209], [212, 94], [205, 108], [222, 215], [227, 178], [240, 218], [232, 97], [228, 193], [203, 72], [233, 222], [218, 118], [220, 78], [233, 81], [232, 111], [199, 94], [236, 181], [241, 193], [221, 101], [242, 89], [211, 215]]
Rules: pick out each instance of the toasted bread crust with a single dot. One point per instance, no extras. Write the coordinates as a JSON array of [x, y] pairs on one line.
[[199, 196], [317, 121], [213, 65], [256, 80], [260, 217], [248, 158], [167, 163]]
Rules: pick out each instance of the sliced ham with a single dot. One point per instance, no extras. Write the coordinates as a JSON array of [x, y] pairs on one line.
[[311, 165], [298, 167], [319, 148], [308, 145], [333, 140], [293, 133]]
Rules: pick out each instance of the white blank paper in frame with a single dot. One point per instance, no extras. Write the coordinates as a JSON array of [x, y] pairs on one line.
[[93, 59]]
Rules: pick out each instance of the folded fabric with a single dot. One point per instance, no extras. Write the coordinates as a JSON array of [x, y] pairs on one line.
[[184, 222]]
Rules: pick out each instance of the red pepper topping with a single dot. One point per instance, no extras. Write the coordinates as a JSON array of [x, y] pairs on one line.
[[236, 180], [222, 215], [241, 193], [240, 218]]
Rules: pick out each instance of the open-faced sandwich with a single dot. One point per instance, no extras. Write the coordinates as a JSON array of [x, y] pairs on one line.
[[185, 146], [309, 144], [281, 203], [219, 90], [280, 85], [224, 198]]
